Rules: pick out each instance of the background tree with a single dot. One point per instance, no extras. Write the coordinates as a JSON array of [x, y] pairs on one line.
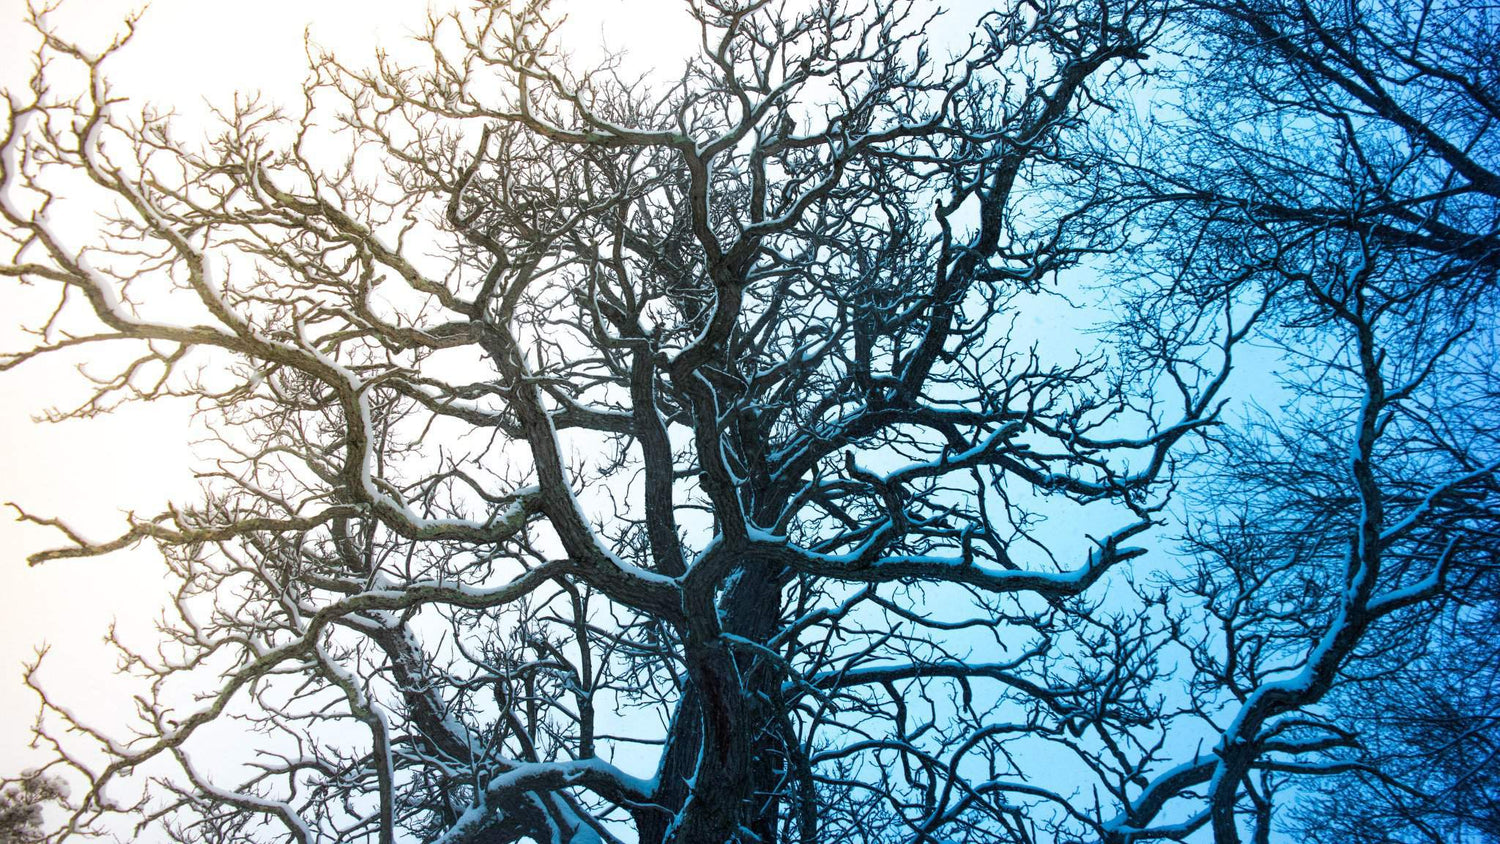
[[22, 802], [1426, 766], [1334, 166]]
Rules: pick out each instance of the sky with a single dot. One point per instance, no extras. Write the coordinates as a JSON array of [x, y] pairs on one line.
[[186, 53]]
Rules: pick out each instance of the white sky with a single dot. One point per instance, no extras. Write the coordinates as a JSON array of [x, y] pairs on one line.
[[185, 53]]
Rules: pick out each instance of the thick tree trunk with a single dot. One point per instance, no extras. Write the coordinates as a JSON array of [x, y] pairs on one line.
[[679, 762], [724, 737]]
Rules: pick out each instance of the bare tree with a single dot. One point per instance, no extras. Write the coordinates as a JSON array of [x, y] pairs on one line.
[[567, 424], [607, 459], [1333, 167]]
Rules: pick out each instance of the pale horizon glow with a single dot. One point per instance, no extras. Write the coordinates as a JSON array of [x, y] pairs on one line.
[[187, 55]]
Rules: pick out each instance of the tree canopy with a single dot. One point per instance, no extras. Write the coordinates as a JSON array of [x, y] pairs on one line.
[[1082, 432]]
